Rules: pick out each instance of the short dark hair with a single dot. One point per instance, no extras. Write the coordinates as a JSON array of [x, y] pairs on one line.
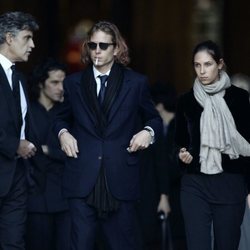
[[111, 29], [41, 72], [211, 48], [14, 22]]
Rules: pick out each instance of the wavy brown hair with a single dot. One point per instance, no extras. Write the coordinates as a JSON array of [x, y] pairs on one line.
[[111, 29]]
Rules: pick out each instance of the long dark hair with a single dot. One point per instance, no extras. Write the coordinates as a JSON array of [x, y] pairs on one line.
[[211, 48], [111, 29], [40, 74]]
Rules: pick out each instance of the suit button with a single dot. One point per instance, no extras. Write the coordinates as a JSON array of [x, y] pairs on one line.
[[99, 157]]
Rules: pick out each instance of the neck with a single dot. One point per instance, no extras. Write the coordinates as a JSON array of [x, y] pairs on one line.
[[104, 68], [7, 54], [45, 102]]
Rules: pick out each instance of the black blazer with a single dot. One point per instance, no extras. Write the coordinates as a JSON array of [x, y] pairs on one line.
[[109, 148], [10, 136], [187, 132], [51, 199]]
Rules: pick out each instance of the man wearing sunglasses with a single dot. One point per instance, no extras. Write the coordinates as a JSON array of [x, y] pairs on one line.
[[106, 119]]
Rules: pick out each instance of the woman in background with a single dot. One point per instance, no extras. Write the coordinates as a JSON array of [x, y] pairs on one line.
[[243, 81], [213, 135]]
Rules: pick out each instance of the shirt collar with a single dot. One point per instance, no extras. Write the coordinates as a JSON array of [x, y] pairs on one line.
[[5, 62], [97, 73]]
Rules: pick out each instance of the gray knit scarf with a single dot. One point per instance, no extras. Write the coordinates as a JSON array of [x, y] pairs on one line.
[[217, 126]]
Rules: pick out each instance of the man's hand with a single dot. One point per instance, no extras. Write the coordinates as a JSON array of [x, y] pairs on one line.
[[164, 205], [26, 149], [139, 141], [68, 144], [185, 156]]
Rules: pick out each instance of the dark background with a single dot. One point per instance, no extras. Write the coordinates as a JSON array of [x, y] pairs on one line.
[[160, 33]]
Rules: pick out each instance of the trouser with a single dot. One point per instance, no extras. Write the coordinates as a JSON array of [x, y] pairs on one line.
[[48, 231], [13, 212], [199, 215], [118, 228]]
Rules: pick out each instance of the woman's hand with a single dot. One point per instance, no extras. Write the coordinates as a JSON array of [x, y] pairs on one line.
[[185, 156]]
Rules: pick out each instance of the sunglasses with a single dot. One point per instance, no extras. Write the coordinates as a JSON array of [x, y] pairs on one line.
[[102, 46]]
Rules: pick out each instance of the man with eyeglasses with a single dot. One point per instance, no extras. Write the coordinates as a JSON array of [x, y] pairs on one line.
[[106, 119]]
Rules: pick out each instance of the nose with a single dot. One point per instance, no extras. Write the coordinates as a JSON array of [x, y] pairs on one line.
[[97, 50], [202, 69], [32, 44], [60, 86]]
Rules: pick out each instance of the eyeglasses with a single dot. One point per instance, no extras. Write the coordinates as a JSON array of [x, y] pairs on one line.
[[102, 46]]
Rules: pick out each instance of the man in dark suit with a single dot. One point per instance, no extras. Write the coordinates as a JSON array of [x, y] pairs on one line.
[[16, 44], [99, 130], [48, 223]]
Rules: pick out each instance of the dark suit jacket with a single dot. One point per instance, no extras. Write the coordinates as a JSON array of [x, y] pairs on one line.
[[10, 134], [50, 200], [188, 127], [131, 104]]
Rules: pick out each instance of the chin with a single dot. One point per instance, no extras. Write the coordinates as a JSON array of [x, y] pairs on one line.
[[99, 65], [24, 59], [206, 82]]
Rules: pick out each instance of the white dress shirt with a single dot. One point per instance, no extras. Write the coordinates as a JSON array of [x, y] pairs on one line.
[[6, 65], [97, 79]]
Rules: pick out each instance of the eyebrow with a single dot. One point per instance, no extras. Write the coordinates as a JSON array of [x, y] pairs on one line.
[[203, 62]]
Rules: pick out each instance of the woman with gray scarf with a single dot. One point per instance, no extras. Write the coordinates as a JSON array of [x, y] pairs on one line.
[[213, 135]]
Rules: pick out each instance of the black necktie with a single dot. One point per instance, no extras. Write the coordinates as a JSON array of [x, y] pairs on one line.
[[16, 94], [103, 79]]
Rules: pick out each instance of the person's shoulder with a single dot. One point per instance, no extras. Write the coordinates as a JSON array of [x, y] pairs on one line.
[[130, 73], [187, 95], [74, 76], [36, 108], [237, 92], [72, 80], [34, 104], [186, 100]]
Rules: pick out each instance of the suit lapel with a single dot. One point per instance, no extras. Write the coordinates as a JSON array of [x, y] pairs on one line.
[[89, 97], [114, 85], [8, 95], [28, 114], [117, 90], [125, 88]]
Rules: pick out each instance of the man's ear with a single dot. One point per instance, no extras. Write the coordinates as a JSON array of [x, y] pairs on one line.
[[8, 37], [116, 50]]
